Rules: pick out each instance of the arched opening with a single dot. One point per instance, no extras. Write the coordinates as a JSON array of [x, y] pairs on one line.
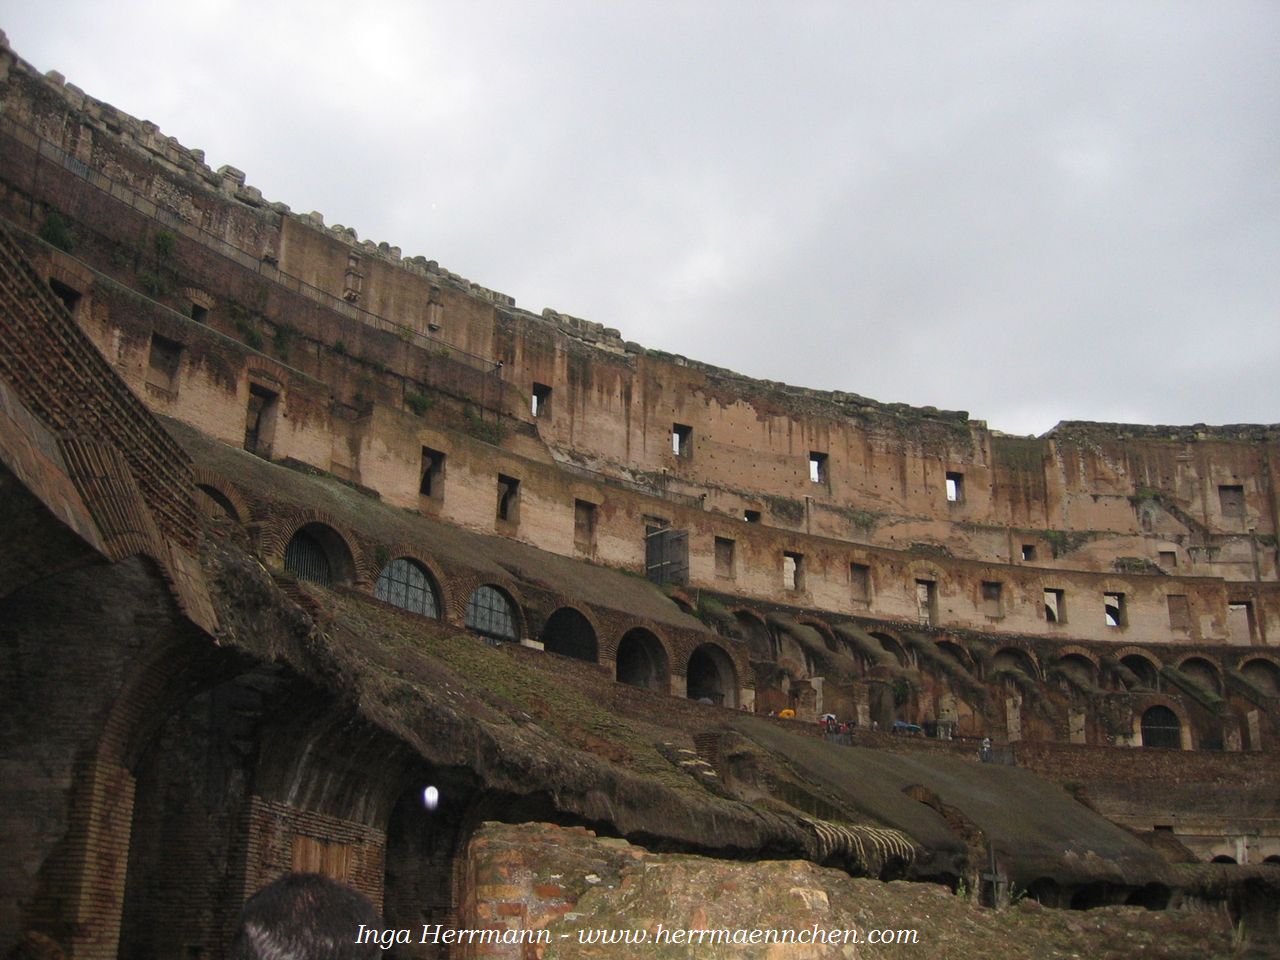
[[1203, 673], [759, 641], [1092, 895], [1153, 896], [318, 554], [491, 613], [1223, 858], [894, 647], [642, 662], [1015, 659], [1080, 669], [957, 653], [1045, 890], [405, 583], [1264, 675], [1143, 669], [1274, 858], [570, 634], [216, 504], [1161, 728], [711, 677]]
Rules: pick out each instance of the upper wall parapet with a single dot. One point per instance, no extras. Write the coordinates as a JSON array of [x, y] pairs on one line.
[[1076, 430]]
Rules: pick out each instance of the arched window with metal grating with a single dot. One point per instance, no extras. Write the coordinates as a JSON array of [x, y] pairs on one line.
[[489, 613], [1160, 728], [305, 558], [405, 584]]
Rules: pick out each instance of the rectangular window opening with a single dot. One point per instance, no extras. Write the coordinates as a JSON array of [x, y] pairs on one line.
[[1231, 498], [860, 582], [955, 487], [1168, 559], [508, 498], [432, 482], [1113, 610], [199, 313], [1055, 605], [260, 420], [69, 296], [1241, 627], [163, 360], [1179, 612], [992, 597], [541, 403], [1028, 551], [681, 440], [793, 570], [725, 549], [751, 516], [817, 467], [584, 525], [927, 600]]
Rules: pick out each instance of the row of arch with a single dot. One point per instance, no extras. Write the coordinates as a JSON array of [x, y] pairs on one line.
[[317, 553], [1141, 669]]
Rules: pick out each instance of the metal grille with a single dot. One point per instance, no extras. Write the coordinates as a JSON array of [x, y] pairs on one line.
[[1160, 728], [405, 584], [306, 560], [489, 613]]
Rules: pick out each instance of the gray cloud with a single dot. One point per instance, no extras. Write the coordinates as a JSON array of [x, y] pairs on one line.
[[1032, 211]]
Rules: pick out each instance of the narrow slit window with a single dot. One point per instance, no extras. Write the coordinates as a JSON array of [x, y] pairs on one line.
[[1055, 605], [541, 403], [860, 582], [817, 467], [1113, 609], [681, 440], [432, 477], [927, 601], [508, 498], [584, 525], [992, 599], [725, 549], [793, 570]]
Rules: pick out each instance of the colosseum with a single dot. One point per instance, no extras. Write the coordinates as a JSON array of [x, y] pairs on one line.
[[300, 529]]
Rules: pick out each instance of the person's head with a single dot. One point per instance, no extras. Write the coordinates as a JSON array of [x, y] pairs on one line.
[[304, 916]]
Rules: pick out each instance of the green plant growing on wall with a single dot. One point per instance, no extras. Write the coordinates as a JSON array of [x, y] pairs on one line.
[[54, 230], [282, 341], [484, 430], [418, 403], [785, 508], [164, 244], [248, 334]]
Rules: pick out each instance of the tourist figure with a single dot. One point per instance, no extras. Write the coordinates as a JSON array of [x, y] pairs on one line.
[[986, 750], [305, 916]]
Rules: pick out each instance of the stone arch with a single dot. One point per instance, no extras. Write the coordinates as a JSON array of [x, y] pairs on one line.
[[318, 553], [642, 660], [1203, 670], [1079, 666], [224, 493], [1017, 658], [760, 642], [1223, 858], [828, 637], [569, 633], [1163, 724], [894, 646], [1141, 664], [281, 528], [1263, 673], [959, 654], [710, 673], [408, 583], [492, 612]]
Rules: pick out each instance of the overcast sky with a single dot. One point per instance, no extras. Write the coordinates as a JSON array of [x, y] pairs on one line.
[[1031, 211]]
